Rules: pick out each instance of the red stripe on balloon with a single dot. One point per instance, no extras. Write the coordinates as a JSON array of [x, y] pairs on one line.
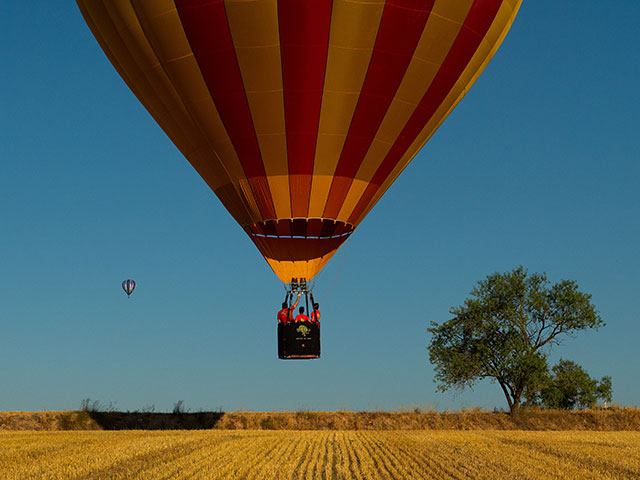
[[401, 27], [304, 41], [475, 28], [207, 29]]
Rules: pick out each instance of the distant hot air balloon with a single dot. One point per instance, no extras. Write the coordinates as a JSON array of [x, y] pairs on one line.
[[299, 114], [128, 286]]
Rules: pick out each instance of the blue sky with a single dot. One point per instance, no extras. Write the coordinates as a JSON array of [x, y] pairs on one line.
[[539, 166]]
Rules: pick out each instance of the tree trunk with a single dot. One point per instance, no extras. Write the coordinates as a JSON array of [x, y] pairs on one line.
[[507, 395], [514, 406]]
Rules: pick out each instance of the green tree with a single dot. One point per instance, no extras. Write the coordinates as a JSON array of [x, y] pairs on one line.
[[505, 331], [570, 386]]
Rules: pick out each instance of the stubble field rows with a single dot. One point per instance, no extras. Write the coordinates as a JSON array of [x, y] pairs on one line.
[[319, 455]]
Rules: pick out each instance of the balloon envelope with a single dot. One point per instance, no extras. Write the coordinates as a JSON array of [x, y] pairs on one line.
[[299, 114], [128, 286]]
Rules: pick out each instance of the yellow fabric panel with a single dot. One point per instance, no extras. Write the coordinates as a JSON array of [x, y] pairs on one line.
[[392, 124], [399, 112], [335, 118], [209, 120], [158, 91], [185, 75], [99, 18], [125, 35], [254, 29], [271, 146], [356, 190], [279, 186], [354, 23], [506, 16], [175, 55], [309, 269], [268, 119], [248, 197], [490, 44], [107, 33], [453, 11], [320, 186], [161, 15], [434, 45], [493, 39], [375, 155], [435, 42], [354, 27], [260, 64], [487, 48], [253, 22], [346, 68], [88, 14], [163, 27]]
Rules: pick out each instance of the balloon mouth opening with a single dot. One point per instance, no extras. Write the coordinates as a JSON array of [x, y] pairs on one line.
[[295, 240], [301, 228]]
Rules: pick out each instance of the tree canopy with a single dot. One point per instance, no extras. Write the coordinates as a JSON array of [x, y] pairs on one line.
[[569, 386], [505, 331]]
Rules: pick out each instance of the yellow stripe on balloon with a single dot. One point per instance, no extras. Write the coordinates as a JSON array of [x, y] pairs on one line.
[[492, 41], [479, 61], [306, 269], [437, 38], [433, 47], [354, 26], [132, 48], [254, 29], [353, 197], [163, 28]]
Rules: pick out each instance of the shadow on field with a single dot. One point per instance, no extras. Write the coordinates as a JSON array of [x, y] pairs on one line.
[[156, 421]]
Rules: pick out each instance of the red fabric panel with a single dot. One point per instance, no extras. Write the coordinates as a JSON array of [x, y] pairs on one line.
[[299, 228], [304, 38], [300, 188], [314, 227], [342, 228], [283, 227], [263, 245], [327, 229], [401, 27], [296, 249], [262, 195], [207, 29], [269, 228], [337, 194], [477, 23], [366, 197]]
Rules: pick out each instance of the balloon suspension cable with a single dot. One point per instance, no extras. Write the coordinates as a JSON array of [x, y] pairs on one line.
[[306, 298]]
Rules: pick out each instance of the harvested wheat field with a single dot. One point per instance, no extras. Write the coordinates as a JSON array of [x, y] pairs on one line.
[[220, 454]]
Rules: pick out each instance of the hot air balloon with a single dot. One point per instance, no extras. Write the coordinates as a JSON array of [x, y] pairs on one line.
[[128, 286], [299, 114]]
